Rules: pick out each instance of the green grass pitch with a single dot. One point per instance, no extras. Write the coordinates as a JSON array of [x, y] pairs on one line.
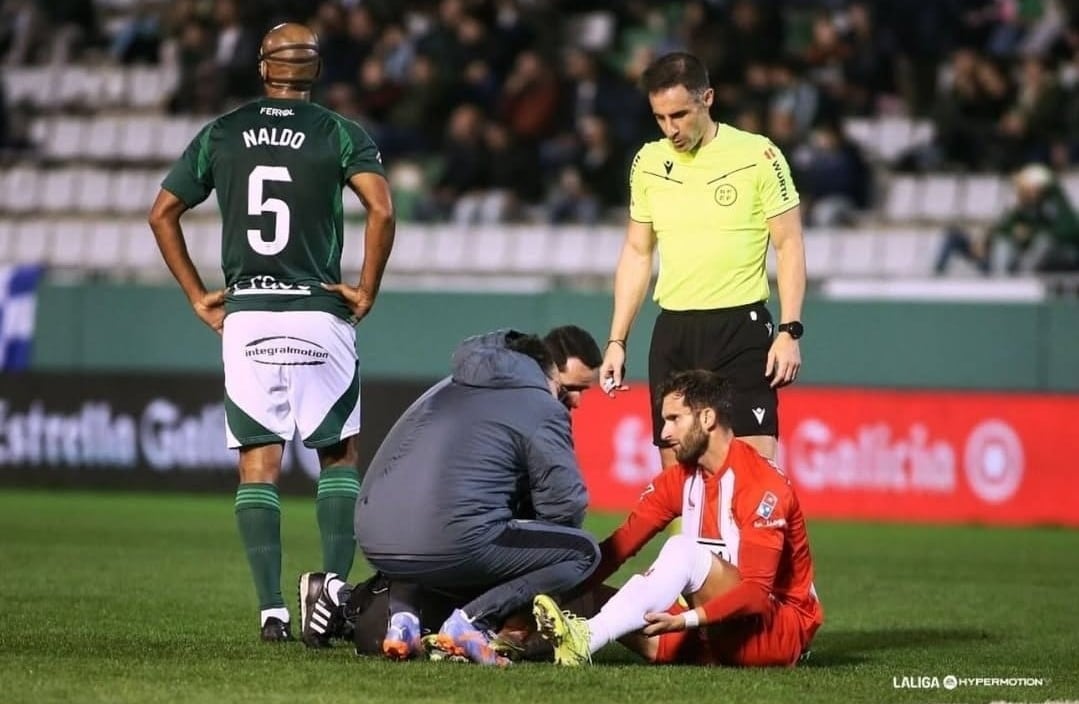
[[146, 598]]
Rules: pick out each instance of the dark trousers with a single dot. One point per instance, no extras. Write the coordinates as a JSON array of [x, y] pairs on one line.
[[495, 580], [958, 243]]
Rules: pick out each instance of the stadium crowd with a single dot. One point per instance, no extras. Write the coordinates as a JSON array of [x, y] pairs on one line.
[[509, 110]]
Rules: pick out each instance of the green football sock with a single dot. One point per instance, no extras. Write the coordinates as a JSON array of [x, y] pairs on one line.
[[335, 506], [258, 516]]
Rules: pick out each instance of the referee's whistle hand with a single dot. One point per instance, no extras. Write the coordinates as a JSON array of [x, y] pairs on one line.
[[784, 361], [612, 371]]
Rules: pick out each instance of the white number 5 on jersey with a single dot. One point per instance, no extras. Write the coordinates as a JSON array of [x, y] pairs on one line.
[[257, 206]]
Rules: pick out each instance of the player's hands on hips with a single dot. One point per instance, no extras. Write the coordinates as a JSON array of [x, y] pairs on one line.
[[358, 298], [784, 360], [662, 622], [211, 309], [613, 369]]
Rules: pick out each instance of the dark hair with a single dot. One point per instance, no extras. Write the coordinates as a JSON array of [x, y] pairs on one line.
[[571, 341], [676, 69], [700, 389], [530, 346]]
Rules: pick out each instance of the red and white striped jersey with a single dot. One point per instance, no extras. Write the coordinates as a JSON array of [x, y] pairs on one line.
[[749, 505]]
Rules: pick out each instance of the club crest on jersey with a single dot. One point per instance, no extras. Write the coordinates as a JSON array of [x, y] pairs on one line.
[[767, 505]]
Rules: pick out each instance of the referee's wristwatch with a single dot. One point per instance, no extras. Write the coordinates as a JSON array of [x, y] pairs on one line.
[[793, 328]]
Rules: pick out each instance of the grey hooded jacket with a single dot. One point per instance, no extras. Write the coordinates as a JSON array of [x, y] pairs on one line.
[[485, 445]]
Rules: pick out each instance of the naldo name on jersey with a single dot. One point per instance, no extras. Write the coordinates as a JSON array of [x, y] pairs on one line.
[[274, 137]]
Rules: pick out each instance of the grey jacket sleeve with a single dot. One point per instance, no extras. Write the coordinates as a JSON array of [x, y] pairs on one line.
[[558, 492]]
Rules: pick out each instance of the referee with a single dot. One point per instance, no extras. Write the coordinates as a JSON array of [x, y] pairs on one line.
[[710, 196]]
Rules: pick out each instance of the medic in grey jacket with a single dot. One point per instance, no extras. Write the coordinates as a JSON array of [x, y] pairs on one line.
[[486, 445]]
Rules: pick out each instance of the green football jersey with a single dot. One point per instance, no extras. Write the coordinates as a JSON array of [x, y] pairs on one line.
[[278, 167]]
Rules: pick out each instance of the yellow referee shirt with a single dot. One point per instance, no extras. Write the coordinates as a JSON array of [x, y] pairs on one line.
[[708, 210]]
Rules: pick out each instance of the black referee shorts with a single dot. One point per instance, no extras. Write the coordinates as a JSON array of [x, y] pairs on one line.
[[733, 342]]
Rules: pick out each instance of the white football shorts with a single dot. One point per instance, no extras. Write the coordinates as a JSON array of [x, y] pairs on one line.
[[286, 370]]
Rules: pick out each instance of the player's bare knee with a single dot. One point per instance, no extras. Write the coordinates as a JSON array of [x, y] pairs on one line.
[[261, 463], [340, 454]]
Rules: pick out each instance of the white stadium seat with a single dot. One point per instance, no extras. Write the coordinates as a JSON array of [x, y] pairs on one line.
[[32, 85], [140, 252], [58, 190], [982, 199], [491, 248], [71, 85], [410, 250], [102, 138], [23, 189], [203, 239], [68, 243], [821, 253], [531, 249], [604, 258], [125, 196], [902, 198], [90, 87], [92, 194], [858, 253], [151, 184], [174, 136], [573, 245], [940, 198], [149, 86], [903, 253], [66, 138], [352, 249], [105, 245], [109, 86], [31, 242], [139, 138], [450, 249]]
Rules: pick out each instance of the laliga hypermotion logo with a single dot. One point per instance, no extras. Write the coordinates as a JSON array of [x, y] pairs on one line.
[[993, 461]]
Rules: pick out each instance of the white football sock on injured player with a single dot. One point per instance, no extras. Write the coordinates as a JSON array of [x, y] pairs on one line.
[[333, 590], [681, 568]]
